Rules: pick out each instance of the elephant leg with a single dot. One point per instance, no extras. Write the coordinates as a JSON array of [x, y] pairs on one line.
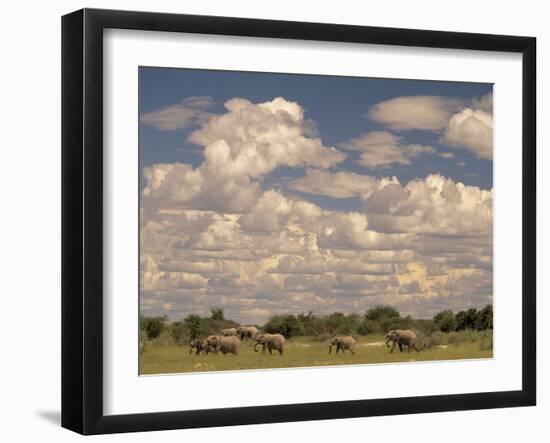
[[270, 351], [400, 347], [393, 347]]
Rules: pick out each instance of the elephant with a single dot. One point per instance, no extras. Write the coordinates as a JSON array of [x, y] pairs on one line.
[[198, 345], [401, 337], [270, 342], [247, 332], [227, 345], [207, 349], [343, 343], [228, 332]]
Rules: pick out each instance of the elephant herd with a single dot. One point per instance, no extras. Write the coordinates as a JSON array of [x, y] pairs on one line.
[[229, 340]]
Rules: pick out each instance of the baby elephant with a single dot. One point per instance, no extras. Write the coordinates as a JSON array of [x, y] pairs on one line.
[[198, 345], [225, 345], [343, 344], [401, 337], [270, 342]]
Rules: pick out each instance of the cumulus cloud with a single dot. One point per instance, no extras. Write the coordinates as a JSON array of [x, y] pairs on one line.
[[415, 112], [271, 213], [382, 148], [240, 148], [181, 185], [189, 111], [254, 139], [472, 130], [435, 205]]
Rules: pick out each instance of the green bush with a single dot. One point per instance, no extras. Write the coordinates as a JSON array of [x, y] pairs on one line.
[[368, 327], [486, 342], [446, 321], [287, 325], [152, 326], [381, 312]]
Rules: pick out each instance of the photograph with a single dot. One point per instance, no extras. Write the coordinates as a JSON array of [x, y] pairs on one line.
[[293, 220]]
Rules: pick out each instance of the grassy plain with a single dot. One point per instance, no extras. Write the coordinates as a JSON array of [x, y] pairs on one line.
[[161, 358]]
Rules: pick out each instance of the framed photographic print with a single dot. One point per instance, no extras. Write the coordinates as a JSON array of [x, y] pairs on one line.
[[270, 221]]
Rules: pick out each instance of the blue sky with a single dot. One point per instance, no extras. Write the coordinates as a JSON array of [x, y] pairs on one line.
[[271, 193]]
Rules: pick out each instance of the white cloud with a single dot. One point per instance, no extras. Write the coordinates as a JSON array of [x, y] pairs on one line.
[[415, 112], [337, 184], [271, 213], [484, 103], [254, 139], [189, 111], [469, 127], [447, 154], [181, 185], [382, 148], [435, 205], [473, 130], [240, 148]]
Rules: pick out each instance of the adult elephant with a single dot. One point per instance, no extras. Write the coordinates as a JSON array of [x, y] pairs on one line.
[[247, 332], [229, 332], [343, 344], [225, 345], [271, 342], [401, 337]]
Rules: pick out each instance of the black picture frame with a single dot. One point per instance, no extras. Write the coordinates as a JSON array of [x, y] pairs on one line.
[[82, 220]]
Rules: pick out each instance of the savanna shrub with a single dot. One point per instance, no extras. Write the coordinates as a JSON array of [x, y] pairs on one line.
[[153, 326], [287, 325]]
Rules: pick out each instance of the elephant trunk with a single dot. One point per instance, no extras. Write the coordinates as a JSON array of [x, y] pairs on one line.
[[329, 349]]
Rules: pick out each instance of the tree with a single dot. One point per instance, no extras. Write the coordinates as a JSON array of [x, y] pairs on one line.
[[153, 326], [311, 324], [466, 319], [179, 331], [217, 314], [484, 318], [193, 322], [381, 312], [446, 321]]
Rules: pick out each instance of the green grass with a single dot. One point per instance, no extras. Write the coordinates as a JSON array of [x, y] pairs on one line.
[[162, 358]]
